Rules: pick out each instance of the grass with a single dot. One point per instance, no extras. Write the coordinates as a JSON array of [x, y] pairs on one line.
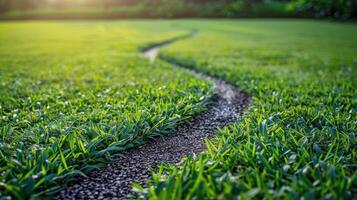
[[74, 93], [84, 12], [298, 139]]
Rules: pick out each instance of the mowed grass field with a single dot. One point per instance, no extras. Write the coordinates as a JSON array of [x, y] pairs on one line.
[[75, 93], [298, 139], [72, 93]]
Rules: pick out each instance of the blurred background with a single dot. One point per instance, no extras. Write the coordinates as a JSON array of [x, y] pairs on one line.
[[107, 9]]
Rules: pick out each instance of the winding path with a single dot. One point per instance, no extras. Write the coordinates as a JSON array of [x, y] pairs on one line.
[[113, 182]]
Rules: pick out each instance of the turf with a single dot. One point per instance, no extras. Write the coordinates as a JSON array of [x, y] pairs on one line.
[[298, 139], [74, 93]]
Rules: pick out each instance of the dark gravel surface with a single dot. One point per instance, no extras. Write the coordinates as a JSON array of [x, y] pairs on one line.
[[113, 182]]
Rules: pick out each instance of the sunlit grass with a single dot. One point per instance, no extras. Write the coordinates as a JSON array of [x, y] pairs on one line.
[[298, 139], [74, 93]]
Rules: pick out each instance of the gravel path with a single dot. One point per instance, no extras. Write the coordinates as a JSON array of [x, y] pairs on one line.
[[113, 182]]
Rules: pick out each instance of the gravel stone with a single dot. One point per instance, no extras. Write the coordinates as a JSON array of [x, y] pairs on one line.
[[114, 181]]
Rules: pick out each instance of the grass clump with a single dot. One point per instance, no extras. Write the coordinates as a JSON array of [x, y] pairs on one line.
[[298, 139], [74, 93]]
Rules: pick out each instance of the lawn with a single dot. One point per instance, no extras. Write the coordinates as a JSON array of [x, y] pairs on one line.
[[73, 94], [298, 139]]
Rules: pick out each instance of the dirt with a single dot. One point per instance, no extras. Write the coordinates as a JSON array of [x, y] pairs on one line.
[[114, 181]]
